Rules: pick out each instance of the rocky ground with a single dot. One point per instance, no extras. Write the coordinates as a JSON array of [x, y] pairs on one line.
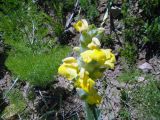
[[109, 87]]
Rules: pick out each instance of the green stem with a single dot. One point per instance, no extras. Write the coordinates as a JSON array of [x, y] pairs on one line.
[[92, 112]]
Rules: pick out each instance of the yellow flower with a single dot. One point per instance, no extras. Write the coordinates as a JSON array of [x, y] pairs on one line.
[[110, 59], [94, 55], [94, 44], [81, 25], [69, 68], [84, 82]]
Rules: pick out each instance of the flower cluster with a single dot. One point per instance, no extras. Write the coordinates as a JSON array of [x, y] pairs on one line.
[[90, 64]]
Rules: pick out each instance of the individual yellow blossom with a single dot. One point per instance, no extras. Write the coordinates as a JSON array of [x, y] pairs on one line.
[[69, 68], [110, 59], [94, 55], [94, 44], [81, 25]]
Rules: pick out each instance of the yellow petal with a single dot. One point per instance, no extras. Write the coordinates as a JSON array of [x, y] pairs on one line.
[[86, 84], [86, 56], [94, 44], [113, 58], [99, 56], [96, 41], [109, 64], [69, 60]]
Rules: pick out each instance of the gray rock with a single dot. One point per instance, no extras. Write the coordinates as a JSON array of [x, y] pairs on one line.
[[145, 67], [140, 79]]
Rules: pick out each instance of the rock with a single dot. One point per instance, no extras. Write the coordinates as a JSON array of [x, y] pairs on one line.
[[140, 79], [102, 9], [145, 67]]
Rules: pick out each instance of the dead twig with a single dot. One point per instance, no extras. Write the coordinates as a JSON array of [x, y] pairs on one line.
[[73, 13], [15, 81]]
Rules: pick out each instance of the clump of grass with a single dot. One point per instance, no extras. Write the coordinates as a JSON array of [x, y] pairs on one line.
[[16, 103], [143, 100], [146, 100], [38, 69], [129, 75], [124, 114]]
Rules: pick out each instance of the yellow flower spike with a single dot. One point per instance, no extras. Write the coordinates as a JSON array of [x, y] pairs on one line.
[[81, 25], [94, 44]]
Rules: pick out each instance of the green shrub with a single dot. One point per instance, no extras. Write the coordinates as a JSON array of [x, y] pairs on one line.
[[149, 7], [141, 29], [38, 69], [89, 7], [129, 53], [22, 22], [152, 31], [107, 40]]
